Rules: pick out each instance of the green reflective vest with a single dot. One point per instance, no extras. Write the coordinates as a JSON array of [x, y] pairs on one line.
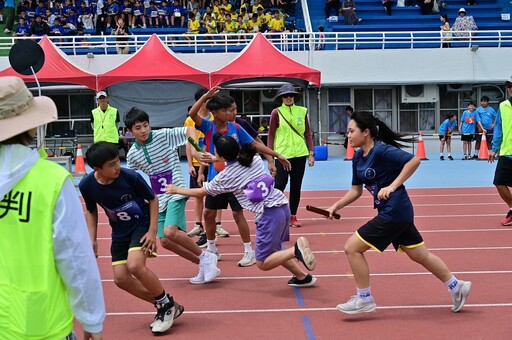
[[33, 299], [506, 128], [286, 141], [104, 125]]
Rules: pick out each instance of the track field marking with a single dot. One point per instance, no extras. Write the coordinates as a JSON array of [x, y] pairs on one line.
[[319, 309]]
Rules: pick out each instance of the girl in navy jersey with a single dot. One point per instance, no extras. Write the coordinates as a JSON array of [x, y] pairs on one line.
[[382, 168], [245, 176]]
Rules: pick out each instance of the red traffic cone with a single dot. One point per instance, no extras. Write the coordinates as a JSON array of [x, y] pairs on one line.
[[350, 152], [79, 161], [483, 153], [421, 148]]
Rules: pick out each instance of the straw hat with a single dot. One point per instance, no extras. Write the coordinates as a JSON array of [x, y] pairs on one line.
[[20, 111]]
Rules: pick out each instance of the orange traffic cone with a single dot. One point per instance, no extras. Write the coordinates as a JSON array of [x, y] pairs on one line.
[[79, 161], [483, 153], [421, 148], [350, 152]]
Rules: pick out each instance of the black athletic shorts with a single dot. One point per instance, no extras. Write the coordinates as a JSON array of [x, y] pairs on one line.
[[379, 233], [503, 173], [221, 201], [467, 138], [120, 247], [193, 180]]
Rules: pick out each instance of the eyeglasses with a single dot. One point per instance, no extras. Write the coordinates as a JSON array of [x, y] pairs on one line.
[[289, 95]]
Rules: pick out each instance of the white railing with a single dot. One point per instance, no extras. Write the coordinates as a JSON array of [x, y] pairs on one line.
[[289, 41]]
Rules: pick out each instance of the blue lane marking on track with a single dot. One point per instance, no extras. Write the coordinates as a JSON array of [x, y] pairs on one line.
[[307, 327], [298, 296]]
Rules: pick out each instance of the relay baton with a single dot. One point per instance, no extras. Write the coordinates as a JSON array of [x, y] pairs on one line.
[[195, 145], [322, 212]]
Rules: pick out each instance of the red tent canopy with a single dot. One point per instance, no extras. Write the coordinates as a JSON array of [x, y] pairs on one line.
[[261, 59], [56, 69], [153, 61]]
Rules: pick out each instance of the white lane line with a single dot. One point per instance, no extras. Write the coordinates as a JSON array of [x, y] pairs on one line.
[[317, 309]]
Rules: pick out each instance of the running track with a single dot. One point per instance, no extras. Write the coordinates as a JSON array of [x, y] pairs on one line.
[[461, 225]]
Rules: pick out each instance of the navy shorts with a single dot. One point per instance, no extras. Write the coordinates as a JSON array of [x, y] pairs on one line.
[[379, 233], [193, 180], [221, 201], [488, 137], [503, 173]]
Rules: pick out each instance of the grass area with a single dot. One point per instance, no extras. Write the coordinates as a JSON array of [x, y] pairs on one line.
[[4, 53]]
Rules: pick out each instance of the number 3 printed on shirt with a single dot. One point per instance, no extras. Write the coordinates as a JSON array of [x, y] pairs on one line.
[[264, 189]]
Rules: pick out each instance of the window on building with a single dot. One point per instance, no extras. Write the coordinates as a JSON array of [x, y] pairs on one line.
[[338, 100]]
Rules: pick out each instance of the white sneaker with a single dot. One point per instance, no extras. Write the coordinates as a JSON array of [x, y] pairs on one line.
[[209, 266], [221, 232], [460, 297], [356, 305], [199, 278], [197, 230], [217, 253], [7, 30], [164, 317], [248, 259]]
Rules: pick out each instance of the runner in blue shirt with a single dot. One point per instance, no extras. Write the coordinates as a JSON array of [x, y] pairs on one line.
[[445, 134], [382, 167]]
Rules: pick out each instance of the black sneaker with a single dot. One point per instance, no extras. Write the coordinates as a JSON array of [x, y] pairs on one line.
[[202, 242], [308, 281], [164, 316], [474, 157], [304, 254], [450, 158], [441, 158]]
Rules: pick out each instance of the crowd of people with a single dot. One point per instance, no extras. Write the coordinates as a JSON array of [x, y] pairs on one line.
[[67, 17], [473, 124]]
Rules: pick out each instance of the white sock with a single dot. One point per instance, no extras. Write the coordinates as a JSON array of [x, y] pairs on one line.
[[449, 154], [247, 247], [441, 153], [452, 284], [212, 246], [364, 293]]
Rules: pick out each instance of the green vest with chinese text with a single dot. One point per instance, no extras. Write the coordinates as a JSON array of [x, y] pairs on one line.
[[33, 299]]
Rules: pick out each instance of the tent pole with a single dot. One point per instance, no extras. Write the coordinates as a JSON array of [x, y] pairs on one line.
[[319, 119]]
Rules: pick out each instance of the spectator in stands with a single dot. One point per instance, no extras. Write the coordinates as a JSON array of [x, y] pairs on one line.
[[164, 14], [121, 32], [22, 29], [138, 19], [321, 39], [151, 15], [446, 32], [221, 19], [193, 26], [387, 6], [57, 9], [241, 28], [9, 6], [178, 12], [71, 22], [112, 13], [85, 16], [41, 10], [192, 4], [226, 5], [246, 6], [50, 17], [38, 27], [101, 17], [426, 6], [255, 6], [230, 26], [56, 29], [330, 5], [348, 9], [211, 26], [126, 11], [254, 24], [463, 23], [67, 8], [289, 6], [289, 134], [276, 23]]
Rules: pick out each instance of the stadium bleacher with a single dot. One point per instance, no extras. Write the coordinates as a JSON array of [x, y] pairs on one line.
[[487, 14]]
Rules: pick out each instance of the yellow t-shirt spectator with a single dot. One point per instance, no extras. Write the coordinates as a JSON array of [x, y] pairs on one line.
[[193, 26], [277, 24]]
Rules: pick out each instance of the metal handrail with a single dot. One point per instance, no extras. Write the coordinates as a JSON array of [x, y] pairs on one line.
[[286, 41]]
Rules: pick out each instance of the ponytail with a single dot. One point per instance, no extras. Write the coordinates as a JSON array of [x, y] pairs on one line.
[[380, 130], [228, 148], [246, 155]]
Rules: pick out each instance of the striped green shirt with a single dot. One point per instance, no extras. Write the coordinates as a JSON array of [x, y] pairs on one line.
[[159, 159]]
